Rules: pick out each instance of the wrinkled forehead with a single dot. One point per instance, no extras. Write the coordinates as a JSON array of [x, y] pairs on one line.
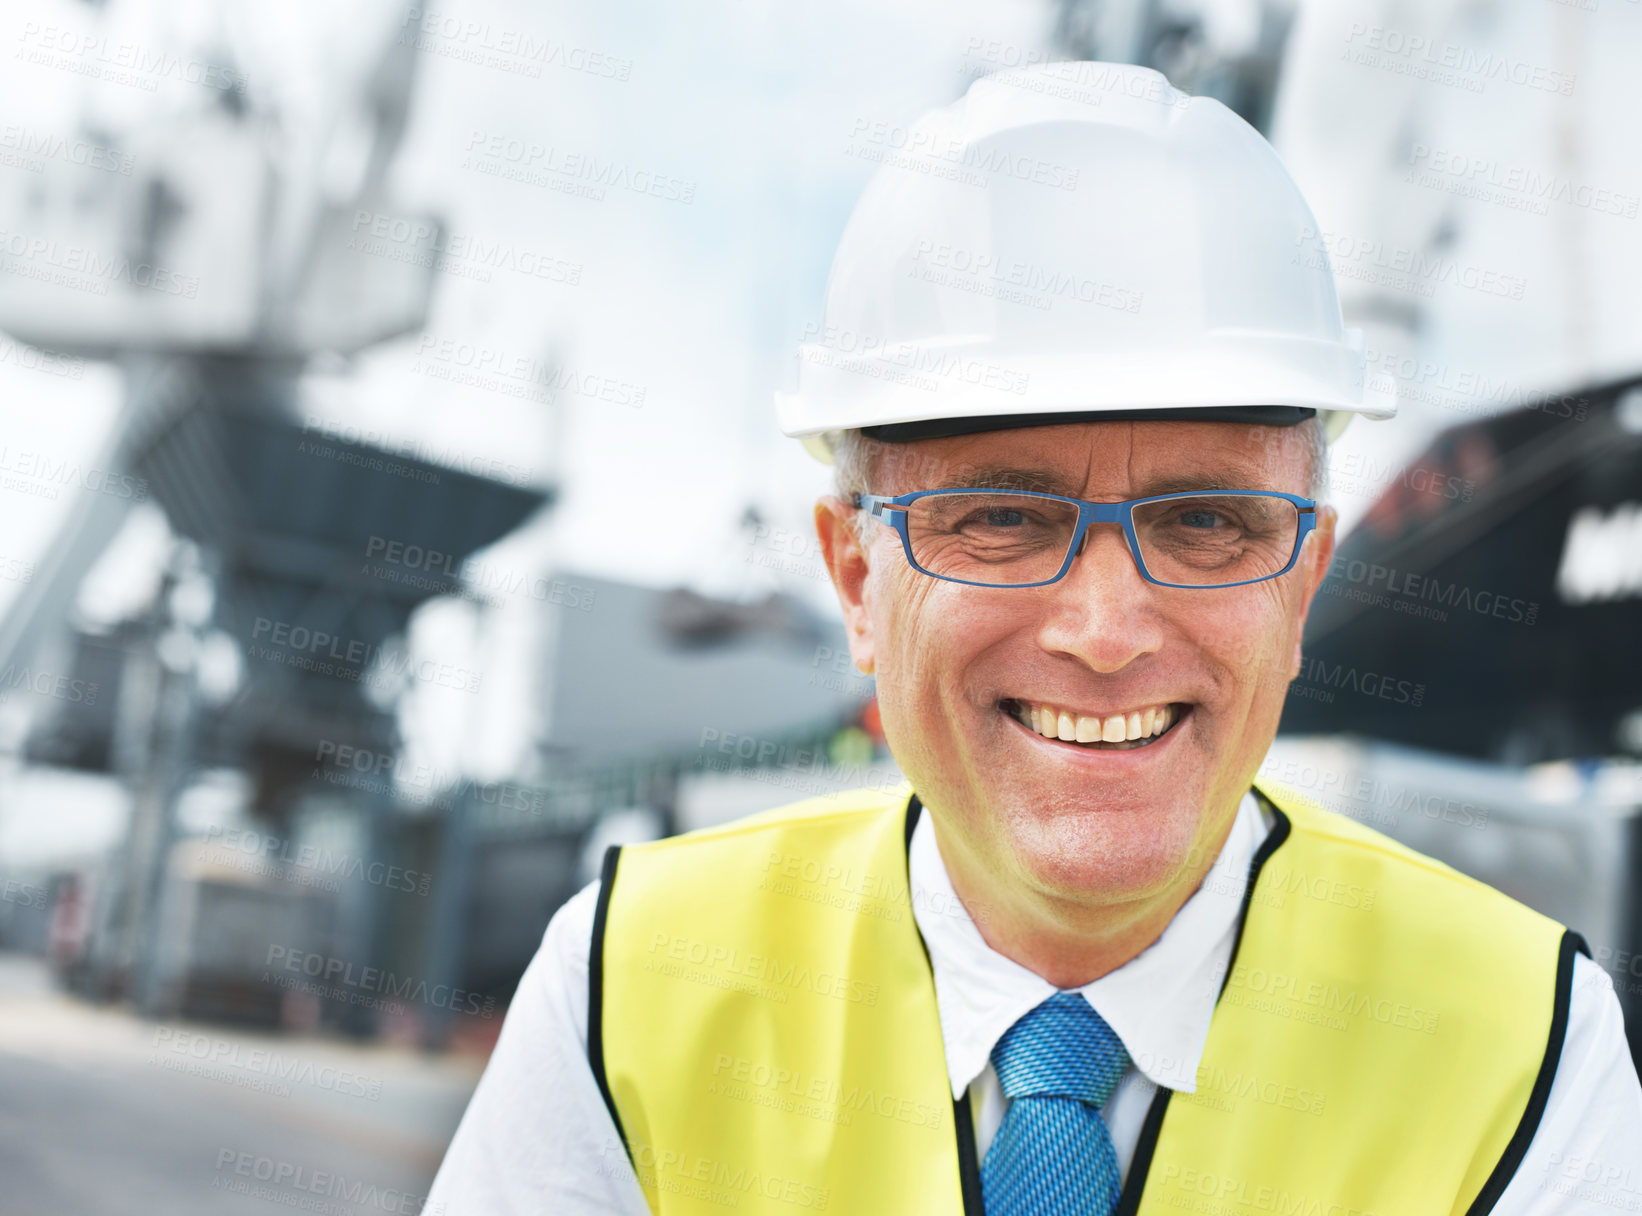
[[1102, 459]]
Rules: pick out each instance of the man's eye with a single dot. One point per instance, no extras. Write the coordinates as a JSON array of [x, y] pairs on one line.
[[1200, 518], [1001, 519]]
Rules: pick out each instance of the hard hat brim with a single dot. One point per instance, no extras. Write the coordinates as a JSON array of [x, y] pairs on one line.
[[939, 428]]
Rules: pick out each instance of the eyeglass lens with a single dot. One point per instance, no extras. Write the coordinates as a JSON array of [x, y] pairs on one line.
[[1005, 540]]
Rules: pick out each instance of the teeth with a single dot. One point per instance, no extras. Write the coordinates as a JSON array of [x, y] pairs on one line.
[[1054, 723]]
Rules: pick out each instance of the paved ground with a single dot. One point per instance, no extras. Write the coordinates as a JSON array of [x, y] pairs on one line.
[[104, 1114]]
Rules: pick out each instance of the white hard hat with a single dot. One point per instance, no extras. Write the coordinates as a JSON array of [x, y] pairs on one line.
[[1071, 240]]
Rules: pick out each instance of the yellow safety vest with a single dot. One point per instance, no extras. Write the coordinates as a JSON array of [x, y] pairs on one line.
[[762, 1023]]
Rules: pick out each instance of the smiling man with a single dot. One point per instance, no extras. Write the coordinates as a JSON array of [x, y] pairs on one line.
[[1077, 372], [1087, 740]]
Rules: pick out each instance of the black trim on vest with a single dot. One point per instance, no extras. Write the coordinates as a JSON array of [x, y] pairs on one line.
[[595, 992], [963, 1119], [969, 1168], [1274, 840], [1140, 1165], [1517, 1149]]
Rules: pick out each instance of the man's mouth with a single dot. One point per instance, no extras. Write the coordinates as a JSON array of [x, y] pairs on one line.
[[1110, 732]]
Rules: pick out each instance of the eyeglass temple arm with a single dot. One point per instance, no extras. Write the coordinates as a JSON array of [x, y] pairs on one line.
[[876, 504]]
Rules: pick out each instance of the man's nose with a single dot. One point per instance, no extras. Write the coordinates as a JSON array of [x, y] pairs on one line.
[[1103, 612]]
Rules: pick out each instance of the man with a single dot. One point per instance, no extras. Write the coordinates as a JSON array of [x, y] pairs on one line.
[[1075, 373]]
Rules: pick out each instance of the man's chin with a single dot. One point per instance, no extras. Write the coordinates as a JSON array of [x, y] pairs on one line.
[[1116, 856]]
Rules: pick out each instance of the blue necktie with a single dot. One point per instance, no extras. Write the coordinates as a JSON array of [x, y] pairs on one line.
[[1052, 1155]]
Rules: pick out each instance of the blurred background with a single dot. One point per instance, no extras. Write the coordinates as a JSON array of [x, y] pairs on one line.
[[395, 515]]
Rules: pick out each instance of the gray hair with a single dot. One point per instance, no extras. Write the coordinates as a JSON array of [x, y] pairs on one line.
[[854, 471], [856, 460]]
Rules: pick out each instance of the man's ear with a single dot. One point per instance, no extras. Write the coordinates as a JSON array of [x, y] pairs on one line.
[[847, 563], [1315, 559]]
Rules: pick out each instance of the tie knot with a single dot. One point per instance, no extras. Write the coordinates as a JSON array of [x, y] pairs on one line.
[[1061, 1048]]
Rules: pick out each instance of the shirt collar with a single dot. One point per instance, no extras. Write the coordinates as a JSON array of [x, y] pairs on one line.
[[1159, 1003]]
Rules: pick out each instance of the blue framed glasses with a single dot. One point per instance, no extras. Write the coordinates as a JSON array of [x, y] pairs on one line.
[[1018, 538]]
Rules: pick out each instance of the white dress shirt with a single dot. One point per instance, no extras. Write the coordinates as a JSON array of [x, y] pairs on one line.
[[537, 1138]]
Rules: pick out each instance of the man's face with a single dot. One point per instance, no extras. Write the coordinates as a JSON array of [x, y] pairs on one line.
[[958, 666]]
